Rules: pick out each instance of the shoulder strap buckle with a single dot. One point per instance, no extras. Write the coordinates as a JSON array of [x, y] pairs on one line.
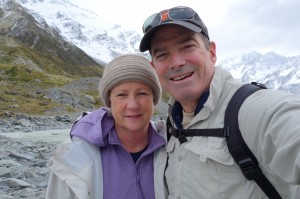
[[249, 168]]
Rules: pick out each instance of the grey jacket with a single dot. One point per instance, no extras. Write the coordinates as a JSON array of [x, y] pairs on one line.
[[269, 122]]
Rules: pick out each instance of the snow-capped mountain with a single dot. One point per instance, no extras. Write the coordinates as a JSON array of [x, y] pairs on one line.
[[104, 40], [275, 71], [98, 37]]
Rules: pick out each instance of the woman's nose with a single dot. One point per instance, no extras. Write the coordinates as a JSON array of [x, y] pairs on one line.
[[132, 103]]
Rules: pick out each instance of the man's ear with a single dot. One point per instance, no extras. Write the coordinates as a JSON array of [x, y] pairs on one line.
[[151, 63], [213, 52]]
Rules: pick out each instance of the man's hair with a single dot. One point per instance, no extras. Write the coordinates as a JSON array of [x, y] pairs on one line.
[[205, 41]]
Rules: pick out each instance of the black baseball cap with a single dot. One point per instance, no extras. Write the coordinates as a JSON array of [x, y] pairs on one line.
[[182, 16]]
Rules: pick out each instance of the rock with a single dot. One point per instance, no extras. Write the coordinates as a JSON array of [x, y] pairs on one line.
[[3, 195], [15, 106], [5, 173], [8, 163], [20, 116], [7, 114], [26, 193], [24, 123], [23, 171], [13, 183], [21, 156]]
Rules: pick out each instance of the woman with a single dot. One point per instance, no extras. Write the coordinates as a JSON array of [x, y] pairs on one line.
[[115, 152]]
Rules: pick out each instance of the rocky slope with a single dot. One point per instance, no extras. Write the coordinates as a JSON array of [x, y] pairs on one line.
[[73, 95]]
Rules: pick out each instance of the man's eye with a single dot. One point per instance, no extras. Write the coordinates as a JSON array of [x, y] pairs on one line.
[[189, 46], [121, 95], [161, 56]]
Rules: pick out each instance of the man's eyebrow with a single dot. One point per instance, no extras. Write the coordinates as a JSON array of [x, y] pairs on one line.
[[157, 50], [186, 39], [180, 42]]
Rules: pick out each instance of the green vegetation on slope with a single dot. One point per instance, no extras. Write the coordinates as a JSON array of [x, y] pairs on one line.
[[25, 75]]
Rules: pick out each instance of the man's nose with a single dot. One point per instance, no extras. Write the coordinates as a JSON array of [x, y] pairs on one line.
[[177, 61]]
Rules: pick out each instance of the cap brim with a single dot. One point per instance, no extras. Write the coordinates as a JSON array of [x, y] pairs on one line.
[[146, 40]]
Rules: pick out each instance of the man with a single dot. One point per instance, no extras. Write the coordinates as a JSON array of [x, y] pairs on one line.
[[201, 167]]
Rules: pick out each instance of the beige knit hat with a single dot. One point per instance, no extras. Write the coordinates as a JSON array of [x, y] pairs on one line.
[[126, 68]]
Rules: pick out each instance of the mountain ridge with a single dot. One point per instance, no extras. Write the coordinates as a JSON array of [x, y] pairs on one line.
[[17, 24], [99, 38], [34, 58], [49, 46], [274, 70]]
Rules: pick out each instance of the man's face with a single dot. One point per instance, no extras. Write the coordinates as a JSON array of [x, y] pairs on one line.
[[183, 64]]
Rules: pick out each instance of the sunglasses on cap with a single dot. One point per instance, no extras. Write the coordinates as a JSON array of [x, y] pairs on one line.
[[180, 13]]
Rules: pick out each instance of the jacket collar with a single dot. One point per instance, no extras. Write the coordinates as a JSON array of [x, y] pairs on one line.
[[177, 109]]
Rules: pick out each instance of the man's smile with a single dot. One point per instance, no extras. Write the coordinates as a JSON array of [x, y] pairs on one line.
[[181, 77]]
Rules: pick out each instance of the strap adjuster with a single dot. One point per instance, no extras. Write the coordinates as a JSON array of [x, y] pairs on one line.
[[250, 169], [179, 134]]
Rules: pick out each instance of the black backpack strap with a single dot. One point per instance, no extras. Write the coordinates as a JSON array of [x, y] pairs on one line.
[[237, 146], [181, 134]]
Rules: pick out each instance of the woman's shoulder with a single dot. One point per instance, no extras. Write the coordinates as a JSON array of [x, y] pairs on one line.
[[74, 147], [160, 127]]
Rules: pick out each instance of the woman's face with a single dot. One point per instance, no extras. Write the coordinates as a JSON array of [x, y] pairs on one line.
[[132, 106]]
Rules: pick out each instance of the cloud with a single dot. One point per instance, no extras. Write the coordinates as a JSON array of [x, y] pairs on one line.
[[237, 26], [260, 26]]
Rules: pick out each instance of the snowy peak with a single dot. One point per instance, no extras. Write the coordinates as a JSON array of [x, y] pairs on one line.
[[104, 40], [29, 43], [276, 71], [98, 37]]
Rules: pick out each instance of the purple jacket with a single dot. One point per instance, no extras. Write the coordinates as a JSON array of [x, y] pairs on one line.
[[122, 178]]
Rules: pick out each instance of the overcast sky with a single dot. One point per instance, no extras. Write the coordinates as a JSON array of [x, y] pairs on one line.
[[237, 26]]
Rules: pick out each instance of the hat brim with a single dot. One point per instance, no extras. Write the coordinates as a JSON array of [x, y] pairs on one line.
[[146, 40]]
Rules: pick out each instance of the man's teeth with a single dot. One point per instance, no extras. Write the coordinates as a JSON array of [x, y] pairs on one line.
[[180, 77]]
